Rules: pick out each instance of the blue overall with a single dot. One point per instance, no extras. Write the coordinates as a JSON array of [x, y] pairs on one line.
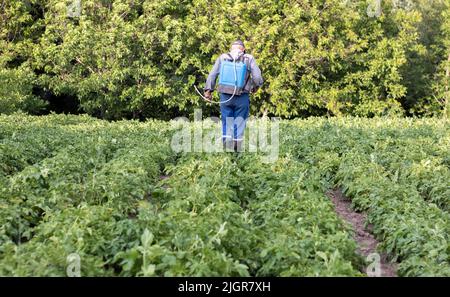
[[237, 111]]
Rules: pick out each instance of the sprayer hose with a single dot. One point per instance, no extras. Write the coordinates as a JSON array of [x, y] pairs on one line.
[[234, 92]]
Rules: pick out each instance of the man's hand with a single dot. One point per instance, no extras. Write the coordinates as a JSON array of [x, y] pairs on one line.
[[255, 89], [208, 95]]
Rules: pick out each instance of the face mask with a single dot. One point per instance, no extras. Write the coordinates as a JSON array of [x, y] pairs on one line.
[[235, 53]]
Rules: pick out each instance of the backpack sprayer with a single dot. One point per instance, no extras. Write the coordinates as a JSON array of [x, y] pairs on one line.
[[231, 78]]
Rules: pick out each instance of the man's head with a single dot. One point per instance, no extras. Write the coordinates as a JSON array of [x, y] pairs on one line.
[[238, 45]]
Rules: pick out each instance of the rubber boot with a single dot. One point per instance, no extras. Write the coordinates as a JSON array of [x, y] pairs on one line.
[[238, 147]]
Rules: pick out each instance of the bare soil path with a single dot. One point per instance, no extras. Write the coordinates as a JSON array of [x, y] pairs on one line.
[[367, 243]]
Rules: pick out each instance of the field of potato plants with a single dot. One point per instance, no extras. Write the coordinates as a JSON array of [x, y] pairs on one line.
[[117, 195]]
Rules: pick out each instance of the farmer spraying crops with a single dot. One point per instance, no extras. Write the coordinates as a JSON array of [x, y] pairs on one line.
[[239, 75]]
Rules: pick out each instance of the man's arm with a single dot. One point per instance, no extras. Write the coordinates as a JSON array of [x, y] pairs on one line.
[[256, 74], [211, 81]]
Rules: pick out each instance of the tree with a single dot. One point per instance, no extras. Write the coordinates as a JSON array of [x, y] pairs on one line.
[[17, 79], [141, 58], [442, 78]]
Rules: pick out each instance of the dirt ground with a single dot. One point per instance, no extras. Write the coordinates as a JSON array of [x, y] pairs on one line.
[[367, 244]]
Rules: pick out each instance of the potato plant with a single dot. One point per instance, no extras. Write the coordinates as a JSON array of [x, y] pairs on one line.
[[117, 195]]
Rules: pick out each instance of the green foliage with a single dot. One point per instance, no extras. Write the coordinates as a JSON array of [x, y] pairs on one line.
[[16, 91], [442, 80], [117, 195], [397, 171], [17, 77], [124, 58]]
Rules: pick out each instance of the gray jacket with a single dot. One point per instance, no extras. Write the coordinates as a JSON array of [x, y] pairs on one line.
[[255, 73]]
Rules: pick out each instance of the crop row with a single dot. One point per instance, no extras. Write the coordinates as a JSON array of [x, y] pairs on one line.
[[102, 167], [227, 215], [397, 172], [78, 185], [416, 232]]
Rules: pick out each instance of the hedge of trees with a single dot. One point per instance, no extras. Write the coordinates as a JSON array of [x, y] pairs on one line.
[[141, 58]]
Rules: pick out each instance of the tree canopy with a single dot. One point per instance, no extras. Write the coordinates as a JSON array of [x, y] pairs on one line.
[[139, 58]]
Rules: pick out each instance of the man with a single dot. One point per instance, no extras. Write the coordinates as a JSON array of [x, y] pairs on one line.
[[234, 107]]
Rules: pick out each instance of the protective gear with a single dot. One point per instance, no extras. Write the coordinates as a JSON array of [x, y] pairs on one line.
[[236, 53]]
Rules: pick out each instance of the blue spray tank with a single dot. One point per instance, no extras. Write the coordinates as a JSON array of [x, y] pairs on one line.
[[228, 77], [233, 76]]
